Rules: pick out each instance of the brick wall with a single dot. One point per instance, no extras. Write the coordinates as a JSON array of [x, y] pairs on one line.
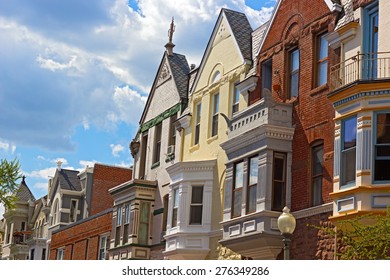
[[77, 237], [104, 178], [297, 24]]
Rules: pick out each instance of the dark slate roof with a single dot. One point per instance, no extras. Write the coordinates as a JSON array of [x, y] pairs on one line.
[[180, 70], [242, 31], [347, 14], [69, 180], [23, 193], [192, 77], [257, 38]]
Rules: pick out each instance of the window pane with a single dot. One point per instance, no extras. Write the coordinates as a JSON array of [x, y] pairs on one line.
[[318, 157], [348, 166], [251, 204], [253, 170], [176, 198], [278, 199], [216, 103], [196, 214], [322, 73], [197, 195], [317, 191], [349, 133], [382, 170], [279, 169], [237, 203], [383, 128], [174, 217], [295, 60], [323, 47], [239, 175], [294, 85]]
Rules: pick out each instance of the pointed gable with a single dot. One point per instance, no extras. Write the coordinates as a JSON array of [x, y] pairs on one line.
[[231, 28], [23, 192]]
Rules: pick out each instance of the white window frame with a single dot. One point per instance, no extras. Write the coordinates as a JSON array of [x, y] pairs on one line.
[[73, 216]]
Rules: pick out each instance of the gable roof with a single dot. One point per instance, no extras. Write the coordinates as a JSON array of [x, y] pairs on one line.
[[23, 192], [241, 31], [258, 36], [179, 69]]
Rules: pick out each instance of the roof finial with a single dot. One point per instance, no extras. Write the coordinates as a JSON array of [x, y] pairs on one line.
[[169, 46], [59, 165], [171, 31], [23, 178]]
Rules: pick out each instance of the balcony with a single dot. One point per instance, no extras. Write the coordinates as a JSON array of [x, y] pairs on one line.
[[366, 67]]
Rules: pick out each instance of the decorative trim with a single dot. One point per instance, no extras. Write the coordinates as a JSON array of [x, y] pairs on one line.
[[155, 165], [316, 210], [374, 205], [361, 95], [164, 115], [350, 207], [158, 211]]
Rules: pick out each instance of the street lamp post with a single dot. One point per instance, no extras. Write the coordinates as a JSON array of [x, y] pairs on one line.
[[286, 225]]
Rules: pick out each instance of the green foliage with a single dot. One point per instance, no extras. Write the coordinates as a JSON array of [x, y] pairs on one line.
[[366, 237], [9, 174]]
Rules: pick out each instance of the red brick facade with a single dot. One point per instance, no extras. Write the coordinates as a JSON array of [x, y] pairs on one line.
[[81, 240], [76, 238], [298, 24], [104, 178]]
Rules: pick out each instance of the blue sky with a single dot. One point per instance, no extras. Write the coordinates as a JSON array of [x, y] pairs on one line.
[[75, 74]]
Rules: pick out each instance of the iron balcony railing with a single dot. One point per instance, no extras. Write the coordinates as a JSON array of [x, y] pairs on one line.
[[361, 67]]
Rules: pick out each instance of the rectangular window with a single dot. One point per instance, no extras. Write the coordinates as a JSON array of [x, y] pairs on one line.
[[198, 112], [214, 122], [60, 254], [157, 143], [32, 253], [103, 247], [196, 207], [317, 162], [126, 224], [119, 216], [23, 226], [144, 145], [266, 75], [235, 99], [175, 207], [294, 73], [382, 147], [322, 60], [172, 131], [43, 257], [253, 173], [143, 234], [279, 182], [165, 216], [73, 211], [348, 151], [238, 184]]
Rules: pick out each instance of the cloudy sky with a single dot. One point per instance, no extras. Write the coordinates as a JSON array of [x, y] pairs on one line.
[[75, 74]]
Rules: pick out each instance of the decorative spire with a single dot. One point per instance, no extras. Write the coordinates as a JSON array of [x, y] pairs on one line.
[[23, 178], [169, 46]]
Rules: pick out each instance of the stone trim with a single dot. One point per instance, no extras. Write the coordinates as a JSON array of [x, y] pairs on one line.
[[316, 210]]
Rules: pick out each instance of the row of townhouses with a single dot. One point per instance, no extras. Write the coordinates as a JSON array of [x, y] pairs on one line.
[[294, 113]]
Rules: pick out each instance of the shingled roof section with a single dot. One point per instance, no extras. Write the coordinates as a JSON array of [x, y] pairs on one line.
[[69, 180], [347, 15], [257, 38], [23, 193], [180, 70], [242, 31]]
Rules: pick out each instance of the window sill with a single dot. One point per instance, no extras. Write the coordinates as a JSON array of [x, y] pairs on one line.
[[318, 90], [194, 148], [155, 165], [211, 139]]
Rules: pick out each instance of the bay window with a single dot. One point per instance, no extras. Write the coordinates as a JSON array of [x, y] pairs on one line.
[[196, 207], [279, 182], [348, 150], [382, 147], [238, 184], [253, 172]]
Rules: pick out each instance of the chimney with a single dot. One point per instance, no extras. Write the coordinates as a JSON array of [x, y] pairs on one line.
[[59, 164], [169, 46]]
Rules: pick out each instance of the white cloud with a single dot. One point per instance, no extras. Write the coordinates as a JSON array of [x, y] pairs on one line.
[[7, 147], [43, 186], [42, 173], [116, 149], [86, 163]]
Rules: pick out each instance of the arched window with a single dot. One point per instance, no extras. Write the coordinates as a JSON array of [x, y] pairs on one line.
[[55, 213], [216, 77]]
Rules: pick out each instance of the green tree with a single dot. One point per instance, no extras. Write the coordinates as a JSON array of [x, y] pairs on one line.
[[366, 237], [9, 174]]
